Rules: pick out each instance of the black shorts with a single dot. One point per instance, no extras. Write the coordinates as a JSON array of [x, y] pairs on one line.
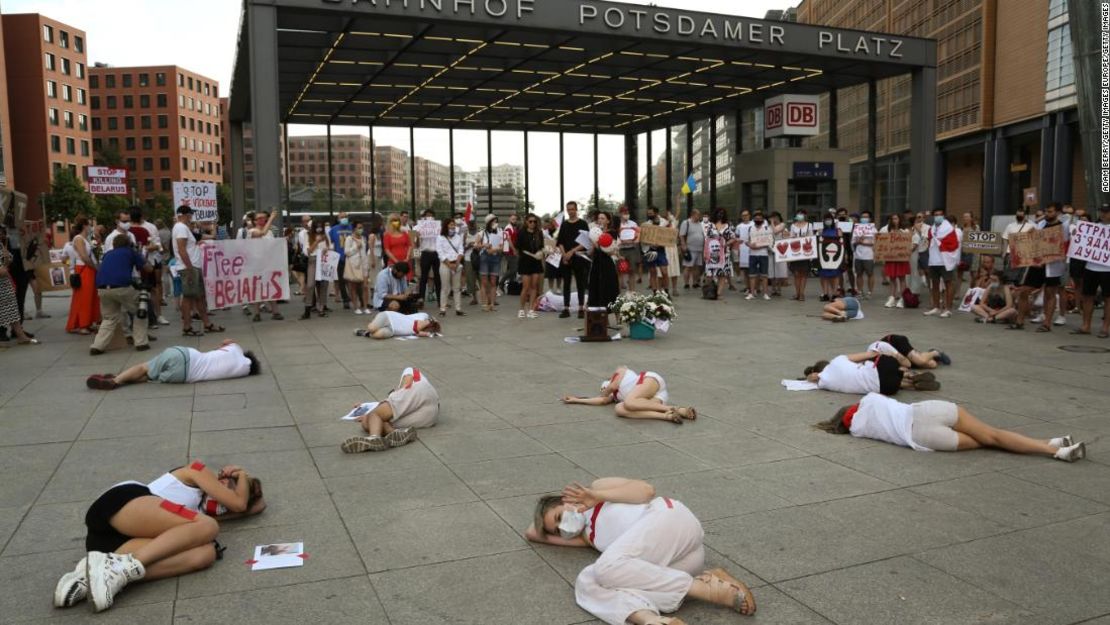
[[1076, 268], [1034, 277], [900, 343], [101, 535], [1095, 280], [890, 375]]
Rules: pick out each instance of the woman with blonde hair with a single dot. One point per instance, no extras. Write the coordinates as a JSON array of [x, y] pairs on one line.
[[356, 271], [638, 395]]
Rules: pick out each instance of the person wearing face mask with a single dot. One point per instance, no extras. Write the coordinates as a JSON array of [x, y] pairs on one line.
[[357, 268], [315, 293], [10, 315], [1096, 277], [1048, 276], [758, 258], [830, 234], [846, 223], [863, 250], [338, 235], [531, 248], [397, 244], [452, 255], [637, 395], [800, 268], [84, 305], [261, 230], [652, 556], [123, 226], [944, 257], [427, 233]]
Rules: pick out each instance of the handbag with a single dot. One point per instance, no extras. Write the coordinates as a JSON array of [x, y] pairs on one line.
[[623, 266], [75, 280]]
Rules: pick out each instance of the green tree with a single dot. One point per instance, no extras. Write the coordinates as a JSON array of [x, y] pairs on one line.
[[108, 156], [223, 203], [67, 198], [160, 207], [107, 207]]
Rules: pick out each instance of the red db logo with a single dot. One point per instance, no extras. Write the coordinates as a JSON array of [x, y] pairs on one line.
[[801, 114], [773, 116]]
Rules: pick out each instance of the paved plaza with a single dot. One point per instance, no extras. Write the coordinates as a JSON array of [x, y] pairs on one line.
[[826, 529]]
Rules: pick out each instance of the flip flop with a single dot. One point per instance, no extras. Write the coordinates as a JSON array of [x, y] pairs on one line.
[[1103, 335], [1079, 332], [214, 328], [720, 581]]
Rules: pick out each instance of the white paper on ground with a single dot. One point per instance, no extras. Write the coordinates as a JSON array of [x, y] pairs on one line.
[[278, 556], [360, 411], [800, 385], [662, 325], [578, 339]]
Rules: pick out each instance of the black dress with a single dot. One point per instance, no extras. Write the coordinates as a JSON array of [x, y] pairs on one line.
[[604, 286], [530, 242]]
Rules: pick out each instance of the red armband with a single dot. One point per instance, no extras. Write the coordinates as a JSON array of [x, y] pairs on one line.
[[178, 509], [197, 466]]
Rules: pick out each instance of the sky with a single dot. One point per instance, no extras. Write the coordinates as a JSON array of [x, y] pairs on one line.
[[200, 35]]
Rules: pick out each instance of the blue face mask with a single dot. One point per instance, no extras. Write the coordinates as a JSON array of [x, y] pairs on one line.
[[865, 220], [938, 220], [344, 221]]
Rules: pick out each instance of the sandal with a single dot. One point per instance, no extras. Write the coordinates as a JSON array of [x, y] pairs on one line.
[[192, 332], [1044, 329], [1080, 332], [722, 585], [689, 413], [214, 328], [673, 416]]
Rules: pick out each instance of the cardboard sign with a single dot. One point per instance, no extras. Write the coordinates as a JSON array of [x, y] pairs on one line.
[[796, 248], [983, 242], [893, 247], [1029, 197], [658, 236], [327, 266], [832, 254], [246, 271], [200, 196], [1091, 242], [52, 277], [1029, 249], [428, 228], [761, 240]]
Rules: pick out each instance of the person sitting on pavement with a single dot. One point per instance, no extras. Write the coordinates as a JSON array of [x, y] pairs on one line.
[[143, 532], [184, 365], [391, 324], [414, 404], [899, 346], [637, 395], [652, 552], [118, 295], [867, 372], [939, 426], [392, 292]]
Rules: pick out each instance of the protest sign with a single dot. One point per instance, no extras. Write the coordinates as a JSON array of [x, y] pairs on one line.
[[832, 254], [658, 236], [863, 232], [1091, 242], [760, 239], [246, 271], [428, 228], [796, 248], [106, 180], [200, 196], [893, 247], [327, 265], [983, 242], [52, 277], [1037, 247]]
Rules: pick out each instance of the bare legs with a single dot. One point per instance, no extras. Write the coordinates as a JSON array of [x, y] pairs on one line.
[[377, 421], [165, 543], [800, 278], [133, 375], [834, 311], [974, 434]]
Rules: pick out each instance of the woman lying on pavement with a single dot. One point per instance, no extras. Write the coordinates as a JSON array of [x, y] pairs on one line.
[[640, 395], [868, 372], [152, 531], [389, 324], [939, 426], [652, 556], [899, 346], [393, 422], [184, 365]]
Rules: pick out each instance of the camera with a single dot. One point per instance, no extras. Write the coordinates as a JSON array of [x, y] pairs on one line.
[[143, 310]]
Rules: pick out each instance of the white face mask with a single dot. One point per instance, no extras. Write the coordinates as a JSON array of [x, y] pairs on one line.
[[125, 225], [572, 523]]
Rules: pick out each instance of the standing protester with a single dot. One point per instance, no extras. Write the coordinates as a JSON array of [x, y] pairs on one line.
[[338, 235], [846, 224], [473, 260], [718, 240], [628, 232], [123, 226], [532, 252], [967, 260], [691, 242], [491, 243], [84, 305], [674, 266], [895, 271], [777, 270], [118, 296], [298, 261], [397, 243], [551, 272], [921, 249], [262, 230], [427, 235], [604, 285], [315, 293], [864, 253], [573, 265], [10, 317], [36, 253], [1021, 225], [511, 259], [189, 255], [1096, 277], [800, 268], [830, 235], [1054, 273], [758, 258], [450, 251], [150, 244], [356, 272], [655, 260], [743, 252], [944, 257]]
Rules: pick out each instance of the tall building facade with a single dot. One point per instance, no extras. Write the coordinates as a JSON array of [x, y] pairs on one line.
[[1006, 117], [350, 159], [7, 174], [164, 122], [391, 171], [47, 72], [433, 184], [504, 176], [465, 187]]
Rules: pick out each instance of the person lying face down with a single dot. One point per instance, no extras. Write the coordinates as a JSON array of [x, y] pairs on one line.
[[143, 532], [652, 557], [389, 324], [938, 426], [392, 423], [868, 372], [638, 395], [184, 365]]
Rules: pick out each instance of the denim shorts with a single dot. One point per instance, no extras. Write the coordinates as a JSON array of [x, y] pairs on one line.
[[489, 264], [851, 307], [757, 265]]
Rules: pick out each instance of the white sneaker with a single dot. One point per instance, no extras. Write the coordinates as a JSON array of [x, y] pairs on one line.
[[533, 314], [890, 302], [358, 311], [1063, 441], [749, 296], [766, 297], [932, 312], [108, 573], [72, 588], [400, 437], [946, 314], [1060, 320], [520, 314], [900, 303], [1038, 319], [1072, 452], [162, 321]]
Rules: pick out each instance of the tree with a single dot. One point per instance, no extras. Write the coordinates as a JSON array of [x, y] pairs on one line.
[[161, 207], [107, 207], [108, 156], [67, 198], [223, 203]]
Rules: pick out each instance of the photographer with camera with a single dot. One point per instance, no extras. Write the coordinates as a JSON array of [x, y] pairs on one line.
[[118, 295]]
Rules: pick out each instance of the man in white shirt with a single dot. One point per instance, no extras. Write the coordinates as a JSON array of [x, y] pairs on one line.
[[184, 365], [123, 226], [629, 234], [864, 254], [758, 259], [189, 255], [743, 252], [427, 231], [261, 230]]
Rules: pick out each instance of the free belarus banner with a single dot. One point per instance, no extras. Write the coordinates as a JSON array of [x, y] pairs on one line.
[[245, 271], [1090, 241]]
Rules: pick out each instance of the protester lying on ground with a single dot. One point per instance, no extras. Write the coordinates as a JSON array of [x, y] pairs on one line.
[[391, 324], [868, 372], [843, 309], [640, 395], [898, 346], [652, 555], [412, 405], [939, 426], [153, 531], [184, 365]]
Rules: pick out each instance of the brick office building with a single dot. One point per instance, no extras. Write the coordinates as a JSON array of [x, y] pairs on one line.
[[48, 103], [308, 164], [1006, 116]]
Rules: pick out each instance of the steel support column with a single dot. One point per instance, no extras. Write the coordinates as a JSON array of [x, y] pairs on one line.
[[867, 191], [562, 172], [670, 168], [923, 137], [631, 163], [373, 173], [1062, 175], [1045, 190], [988, 178], [238, 190], [412, 172], [331, 180], [689, 167], [489, 169], [451, 166], [712, 164], [285, 163], [1085, 20], [527, 174], [1001, 188], [834, 120], [265, 119], [597, 187], [650, 175]]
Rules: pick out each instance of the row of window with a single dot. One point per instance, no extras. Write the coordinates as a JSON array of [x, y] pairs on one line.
[[203, 147], [67, 92], [324, 168], [187, 164], [145, 121], [64, 65], [197, 125], [323, 156], [112, 101], [127, 80], [67, 119], [71, 145], [63, 38], [198, 85]]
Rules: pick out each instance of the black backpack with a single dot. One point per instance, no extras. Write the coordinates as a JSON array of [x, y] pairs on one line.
[[709, 290]]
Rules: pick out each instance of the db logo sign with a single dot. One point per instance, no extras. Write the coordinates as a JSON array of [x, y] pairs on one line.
[[791, 115], [801, 114], [773, 116]]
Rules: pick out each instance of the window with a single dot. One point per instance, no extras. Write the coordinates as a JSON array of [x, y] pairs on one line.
[[192, 145], [160, 79], [111, 101], [65, 66], [129, 144], [164, 163], [94, 81], [184, 163], [1056, 8], [144, 80], [190, 83], [180, 80], [79, 44], [1060, 70], [144, 122], [163, 121], [144, 101], [161, 100], [96, 103], [110, 81], [96, 124], [52, 115], [148, 143], [206, 89], [63, 38], [131, 165], [181, 101], [50, 64], [82, 121], [183, 124], [71, 146], [114, 142], [80, 96], [67, 119], [126, 80], [84, 147], [129, 122], [128, 101], [148, 185], [113, 123], [98, 145], [167, 184], [80, 70], [67, 93], [163, 143], [48, 33], [183, 142], [51, 89], [192, 125], [148, 164]]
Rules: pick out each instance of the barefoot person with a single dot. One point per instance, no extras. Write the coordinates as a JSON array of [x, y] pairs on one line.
[[939, 426], [868, 372], [391, 324], [153, 531], [899, 346], [842, 309], [184, 365], [638, 395], [393, 423], [652, 556]]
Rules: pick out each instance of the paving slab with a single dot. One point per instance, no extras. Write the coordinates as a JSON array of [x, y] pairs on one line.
[[1010, 501], [812, 479], [348, 601]]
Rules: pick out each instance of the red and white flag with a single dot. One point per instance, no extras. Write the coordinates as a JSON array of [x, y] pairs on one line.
[[469, 215]]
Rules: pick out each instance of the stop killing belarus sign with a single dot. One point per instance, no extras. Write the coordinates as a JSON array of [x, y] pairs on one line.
[[106, 180], [200, 196]]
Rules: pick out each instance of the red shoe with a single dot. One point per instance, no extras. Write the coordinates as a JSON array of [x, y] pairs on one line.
[[101, 383]]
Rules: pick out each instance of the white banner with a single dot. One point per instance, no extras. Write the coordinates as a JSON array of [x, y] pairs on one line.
[[1091, 242], [863, 233], [242, 271], [327, 265], [200, 196], [106, 180], [796, 248]]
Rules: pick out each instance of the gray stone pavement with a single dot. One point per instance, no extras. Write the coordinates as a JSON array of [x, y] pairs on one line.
[[826, 529]]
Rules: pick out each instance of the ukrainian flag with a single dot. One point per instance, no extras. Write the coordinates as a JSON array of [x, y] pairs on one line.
[[690, 186]]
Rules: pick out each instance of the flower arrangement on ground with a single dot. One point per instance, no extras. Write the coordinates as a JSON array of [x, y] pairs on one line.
[[656, 309]]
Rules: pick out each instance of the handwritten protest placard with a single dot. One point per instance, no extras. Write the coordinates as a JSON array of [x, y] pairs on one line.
[[982, 242], [245, 271], [327, 266], [893, 247], [863, 232], [1037, 247], [1091, 242], [658, 235], [761, 239], [796, 248]]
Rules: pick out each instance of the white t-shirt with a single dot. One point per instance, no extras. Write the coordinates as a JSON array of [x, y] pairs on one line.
[[154, 239], [181, 231], [110, 240], [884, 419], [864, 252], [844, 376], [404, 325], [219, 364], [882, 347], [756, 229], [612, 521]]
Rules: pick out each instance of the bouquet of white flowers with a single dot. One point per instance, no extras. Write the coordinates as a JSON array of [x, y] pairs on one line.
[[660, 307], [634, 308]]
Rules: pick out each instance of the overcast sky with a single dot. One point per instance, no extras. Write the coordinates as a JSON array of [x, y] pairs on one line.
[[200, 35]]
